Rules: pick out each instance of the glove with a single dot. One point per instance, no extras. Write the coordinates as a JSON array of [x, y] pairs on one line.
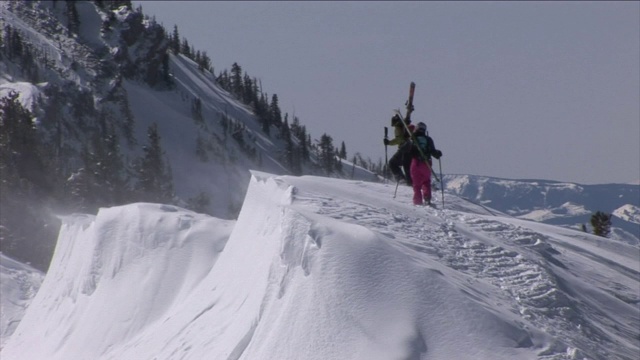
[[437, 154], [386, 141]]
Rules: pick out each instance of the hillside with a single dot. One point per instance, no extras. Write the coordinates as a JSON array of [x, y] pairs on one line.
[[118, 117], [319, 268]]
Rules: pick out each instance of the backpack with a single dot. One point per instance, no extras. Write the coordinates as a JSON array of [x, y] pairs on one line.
[[425, 144]]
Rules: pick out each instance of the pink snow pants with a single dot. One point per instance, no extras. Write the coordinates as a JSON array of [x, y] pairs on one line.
[[421, 176]]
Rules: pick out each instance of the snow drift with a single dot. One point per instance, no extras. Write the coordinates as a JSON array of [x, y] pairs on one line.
[[318, 268]]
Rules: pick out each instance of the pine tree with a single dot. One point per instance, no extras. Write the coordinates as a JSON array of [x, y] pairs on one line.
[[289, 152], [236, 80], [18, 141], [175, 41], [255, 91], [108, 168], [274, 109], [262, 110], [8, 41], [601, 223], [248, 96], [223, 80], [166, 74], [205, 62], [305, 143], [185, 49], [343, 151], [295, 127], [154, 175], [327, 154]]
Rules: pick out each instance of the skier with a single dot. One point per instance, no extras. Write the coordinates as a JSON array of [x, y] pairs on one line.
[[421, 153], [400, 162]]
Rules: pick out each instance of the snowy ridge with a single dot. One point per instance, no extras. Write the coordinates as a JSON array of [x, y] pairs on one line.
[[95, 261], [321, 268]]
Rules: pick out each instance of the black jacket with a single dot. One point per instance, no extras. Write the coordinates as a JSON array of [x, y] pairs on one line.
[[428, 147]]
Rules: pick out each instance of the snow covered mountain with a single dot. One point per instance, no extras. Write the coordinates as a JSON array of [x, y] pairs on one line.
[[321, 268], [112, 51], [554, 202], [92, 71]]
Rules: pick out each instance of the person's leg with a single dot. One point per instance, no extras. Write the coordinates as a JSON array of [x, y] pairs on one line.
[[407, 161], [426, 185], [395, 164], [407, 169], [415, 174]]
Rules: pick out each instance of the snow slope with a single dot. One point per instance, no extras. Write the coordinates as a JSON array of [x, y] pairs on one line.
[[19, 283], [320, 268]]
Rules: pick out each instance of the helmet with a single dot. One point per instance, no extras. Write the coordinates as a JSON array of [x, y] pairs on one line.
[[422, 126], [395, 120]]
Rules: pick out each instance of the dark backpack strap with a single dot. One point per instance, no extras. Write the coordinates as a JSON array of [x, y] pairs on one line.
[[430, 147]]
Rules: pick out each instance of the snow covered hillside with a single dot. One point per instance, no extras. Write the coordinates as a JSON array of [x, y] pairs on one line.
[[209, 151], [322, 268], [97, 78], [223, 176]]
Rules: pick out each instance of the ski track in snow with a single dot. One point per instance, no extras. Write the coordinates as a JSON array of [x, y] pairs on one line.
[[508, 258]]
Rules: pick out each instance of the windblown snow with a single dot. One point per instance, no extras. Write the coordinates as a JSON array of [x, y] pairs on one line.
[[321, 268]]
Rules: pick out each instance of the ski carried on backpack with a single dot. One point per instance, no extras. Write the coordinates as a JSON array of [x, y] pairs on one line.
[[409, 104], [410, 108]]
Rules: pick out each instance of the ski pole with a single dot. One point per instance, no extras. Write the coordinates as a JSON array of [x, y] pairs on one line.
[[386, 161], [441, 182]]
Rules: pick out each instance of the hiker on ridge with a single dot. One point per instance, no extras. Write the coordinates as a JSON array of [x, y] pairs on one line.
[[421, 152], [400, 162]]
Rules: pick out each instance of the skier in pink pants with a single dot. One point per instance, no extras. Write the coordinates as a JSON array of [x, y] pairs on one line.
[[421, 176], [422, 150]]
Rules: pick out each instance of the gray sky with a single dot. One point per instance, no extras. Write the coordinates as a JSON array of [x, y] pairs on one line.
[[520, 90]]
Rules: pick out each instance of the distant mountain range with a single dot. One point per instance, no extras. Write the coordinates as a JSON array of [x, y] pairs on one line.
[[554, 202]]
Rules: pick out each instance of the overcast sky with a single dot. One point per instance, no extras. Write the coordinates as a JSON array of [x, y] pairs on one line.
[[520, 90]]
